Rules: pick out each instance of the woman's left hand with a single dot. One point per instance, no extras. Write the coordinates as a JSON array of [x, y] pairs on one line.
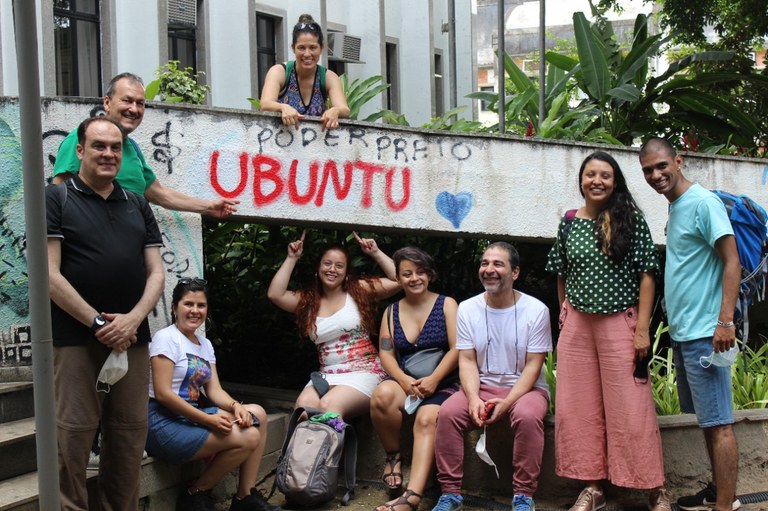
[[242, 416], [426, 386], [641, 343], [330, 118], [367, 245]]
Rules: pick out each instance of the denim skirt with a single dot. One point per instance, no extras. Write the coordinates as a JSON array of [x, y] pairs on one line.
[[174, 438]]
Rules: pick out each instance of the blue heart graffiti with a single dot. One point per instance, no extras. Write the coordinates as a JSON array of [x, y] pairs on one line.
[[454, 208]]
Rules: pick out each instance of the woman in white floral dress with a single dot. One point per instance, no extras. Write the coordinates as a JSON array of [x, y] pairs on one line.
[[336, 313]]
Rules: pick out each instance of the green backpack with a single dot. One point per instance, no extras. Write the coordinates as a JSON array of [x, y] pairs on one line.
[[289, 69]]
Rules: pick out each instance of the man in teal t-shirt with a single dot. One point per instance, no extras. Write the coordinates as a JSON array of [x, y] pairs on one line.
[[124, 104], [701, 284]]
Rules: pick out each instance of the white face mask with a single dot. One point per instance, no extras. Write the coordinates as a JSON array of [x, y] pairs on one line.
[[720, 359], [411, 404], [482, 452], [114, 368]]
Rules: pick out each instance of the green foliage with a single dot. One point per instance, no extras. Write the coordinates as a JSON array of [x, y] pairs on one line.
[[458, 125], [750, 379], [662, 374], [606, 94], [176, 85], [550, 372], [257, 343], [360, 92]]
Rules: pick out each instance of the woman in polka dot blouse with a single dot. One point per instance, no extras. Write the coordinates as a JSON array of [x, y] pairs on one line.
[[605, 421]]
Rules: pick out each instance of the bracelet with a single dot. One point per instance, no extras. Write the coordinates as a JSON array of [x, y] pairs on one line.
[[726, 324], [232, 406]]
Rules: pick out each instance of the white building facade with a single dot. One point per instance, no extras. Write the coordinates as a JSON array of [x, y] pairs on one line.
[[83, 43]]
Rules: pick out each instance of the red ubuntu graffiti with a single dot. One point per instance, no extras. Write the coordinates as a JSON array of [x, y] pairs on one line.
[[270, 170]]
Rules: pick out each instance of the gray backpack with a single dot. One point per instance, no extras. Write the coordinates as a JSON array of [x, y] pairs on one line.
[[308, 468]]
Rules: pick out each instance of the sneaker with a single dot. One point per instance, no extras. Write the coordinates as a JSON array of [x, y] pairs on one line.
[[705, 500], [253, 502], [589, 500], [658, 500], [93, 461], [522, 502], [449, 502], [198, 501]]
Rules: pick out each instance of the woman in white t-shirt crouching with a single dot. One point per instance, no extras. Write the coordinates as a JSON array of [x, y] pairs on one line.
[[186, 425]]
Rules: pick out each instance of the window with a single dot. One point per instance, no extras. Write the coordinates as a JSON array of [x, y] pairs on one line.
[[438, 86], [392, 78], [77, 48], [266, 54], [182, 33]]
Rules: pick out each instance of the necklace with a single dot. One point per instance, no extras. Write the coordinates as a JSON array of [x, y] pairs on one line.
[[488, 335]]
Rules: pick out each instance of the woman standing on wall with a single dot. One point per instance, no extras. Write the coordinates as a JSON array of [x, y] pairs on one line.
[[605, 417], [336, 312], [302, 86]]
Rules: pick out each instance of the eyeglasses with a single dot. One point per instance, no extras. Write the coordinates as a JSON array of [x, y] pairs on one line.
[[314, 27], [192, 280]]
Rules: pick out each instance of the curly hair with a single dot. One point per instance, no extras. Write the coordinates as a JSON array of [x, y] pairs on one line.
[[418, 257], [309, 302], [615, 225]]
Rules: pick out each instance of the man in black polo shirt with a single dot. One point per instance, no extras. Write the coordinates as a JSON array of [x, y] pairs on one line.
[[106, 275]]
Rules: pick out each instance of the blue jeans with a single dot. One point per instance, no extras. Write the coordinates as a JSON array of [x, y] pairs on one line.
[[705, 392]]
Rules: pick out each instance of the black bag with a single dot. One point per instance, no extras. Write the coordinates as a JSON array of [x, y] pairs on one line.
[[308, 468], [423, 363]]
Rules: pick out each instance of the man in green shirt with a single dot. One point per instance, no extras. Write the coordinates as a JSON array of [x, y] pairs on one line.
[[124, 104]]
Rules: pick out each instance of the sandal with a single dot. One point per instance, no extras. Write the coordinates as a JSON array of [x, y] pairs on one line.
[[393, 458], [402, 500]]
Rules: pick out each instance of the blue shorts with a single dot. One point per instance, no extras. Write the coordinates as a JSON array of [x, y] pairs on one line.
[[174, 438], [705, 392]]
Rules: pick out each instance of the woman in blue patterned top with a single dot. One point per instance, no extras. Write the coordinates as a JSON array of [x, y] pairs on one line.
[[308, 85], [421, 320]]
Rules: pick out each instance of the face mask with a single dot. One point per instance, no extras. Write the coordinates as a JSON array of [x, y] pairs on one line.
[[411, 404], [114, 368], [720, 359], [482, 452]]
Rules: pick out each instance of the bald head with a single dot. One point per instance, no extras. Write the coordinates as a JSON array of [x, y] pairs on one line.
[[656, 145]]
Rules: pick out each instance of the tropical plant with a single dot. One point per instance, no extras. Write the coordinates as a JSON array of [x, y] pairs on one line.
[[176, 85], [750, 377], [661, 372], [360, 92], [617, 100]]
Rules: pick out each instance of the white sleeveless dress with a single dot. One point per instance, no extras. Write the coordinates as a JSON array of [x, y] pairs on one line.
[[346, 352]]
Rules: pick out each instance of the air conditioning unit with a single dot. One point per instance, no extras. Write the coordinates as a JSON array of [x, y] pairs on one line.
[[344, 47], [182, 12]]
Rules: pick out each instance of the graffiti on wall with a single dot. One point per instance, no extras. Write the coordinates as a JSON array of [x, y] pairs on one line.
[[362, 175], [181, 236], [383, 172]]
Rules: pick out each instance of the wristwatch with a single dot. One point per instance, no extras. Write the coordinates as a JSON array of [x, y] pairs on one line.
[[98, 322]]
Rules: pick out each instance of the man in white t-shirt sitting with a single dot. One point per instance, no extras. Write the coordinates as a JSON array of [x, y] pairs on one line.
[[503, 337]]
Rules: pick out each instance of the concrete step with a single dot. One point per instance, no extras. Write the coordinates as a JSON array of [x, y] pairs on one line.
[[16, 401], [160, 482], [17, 448]]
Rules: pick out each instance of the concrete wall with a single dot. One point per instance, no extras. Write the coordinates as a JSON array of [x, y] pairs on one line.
[[359, 175]]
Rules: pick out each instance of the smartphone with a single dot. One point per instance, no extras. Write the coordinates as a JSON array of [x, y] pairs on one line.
[[641, 366], [488, 411]]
